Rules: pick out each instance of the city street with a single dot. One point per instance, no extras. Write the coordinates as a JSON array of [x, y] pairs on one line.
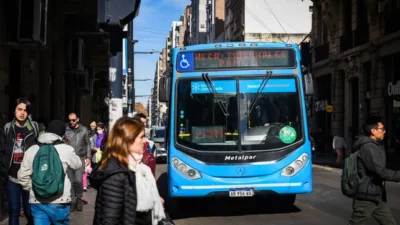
[[326, 205]]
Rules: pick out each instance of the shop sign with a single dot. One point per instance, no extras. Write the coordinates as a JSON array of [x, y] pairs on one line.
[[393, 89], [320, 105], [329, 108]]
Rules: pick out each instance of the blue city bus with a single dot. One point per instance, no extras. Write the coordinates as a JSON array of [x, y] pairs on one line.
[[237, 122]]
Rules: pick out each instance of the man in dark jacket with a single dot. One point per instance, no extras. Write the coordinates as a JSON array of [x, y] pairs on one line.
[[370, 199], [18, 136], [77, 136]]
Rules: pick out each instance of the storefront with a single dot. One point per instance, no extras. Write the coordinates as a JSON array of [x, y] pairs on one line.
[[322, 118], [392, 107]]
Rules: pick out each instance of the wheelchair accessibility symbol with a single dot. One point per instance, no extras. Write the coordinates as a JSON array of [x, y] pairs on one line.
[[186, 61]]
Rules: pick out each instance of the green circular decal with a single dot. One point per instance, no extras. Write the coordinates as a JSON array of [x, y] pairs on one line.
[[287, 135]]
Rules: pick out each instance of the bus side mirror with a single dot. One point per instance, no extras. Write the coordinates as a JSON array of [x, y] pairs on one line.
[[164, 89], [308, 84]]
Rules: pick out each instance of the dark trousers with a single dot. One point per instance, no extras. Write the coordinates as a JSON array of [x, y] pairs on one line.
[[14, 193], [363, 210]]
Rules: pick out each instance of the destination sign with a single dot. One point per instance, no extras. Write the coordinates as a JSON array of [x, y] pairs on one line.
[[273, 85], [208, 134], [236, 58]]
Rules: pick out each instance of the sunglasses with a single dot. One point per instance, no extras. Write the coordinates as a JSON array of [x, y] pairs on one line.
[[73, 120]]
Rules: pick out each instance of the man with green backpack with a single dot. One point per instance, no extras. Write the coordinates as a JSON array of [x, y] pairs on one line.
[[43, 173], [365, 173]]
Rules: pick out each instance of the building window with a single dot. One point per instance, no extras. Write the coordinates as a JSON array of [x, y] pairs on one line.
[[347, 15]]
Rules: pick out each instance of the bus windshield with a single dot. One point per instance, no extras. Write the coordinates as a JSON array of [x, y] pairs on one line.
[[159, 133], [210, 119], [270, 117]]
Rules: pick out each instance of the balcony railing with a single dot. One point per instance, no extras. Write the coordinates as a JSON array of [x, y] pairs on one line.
[[321, 52]]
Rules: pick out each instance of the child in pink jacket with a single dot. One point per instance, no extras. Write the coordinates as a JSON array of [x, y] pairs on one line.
[[88, 170]]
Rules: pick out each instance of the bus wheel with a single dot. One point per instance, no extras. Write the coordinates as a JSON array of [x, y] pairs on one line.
[[289, 199]]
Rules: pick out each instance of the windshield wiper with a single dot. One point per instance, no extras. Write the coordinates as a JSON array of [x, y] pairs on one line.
[[257, 96], [211, 88]]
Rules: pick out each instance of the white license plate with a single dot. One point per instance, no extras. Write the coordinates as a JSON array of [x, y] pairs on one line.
[[241, 192]]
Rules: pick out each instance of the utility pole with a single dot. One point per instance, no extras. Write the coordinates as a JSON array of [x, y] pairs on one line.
[[133, 71], [112, 18], [115, 76], [131, 107]]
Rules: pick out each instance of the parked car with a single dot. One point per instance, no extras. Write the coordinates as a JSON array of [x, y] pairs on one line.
[[157, 134]]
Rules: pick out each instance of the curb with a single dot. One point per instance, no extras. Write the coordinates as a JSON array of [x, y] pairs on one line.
[[328, 168]]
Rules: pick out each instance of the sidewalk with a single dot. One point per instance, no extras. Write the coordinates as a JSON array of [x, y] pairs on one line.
[[77, 218], [325, 160]]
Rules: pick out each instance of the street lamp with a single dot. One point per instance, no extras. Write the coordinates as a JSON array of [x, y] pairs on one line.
[[147, 79], [131, 55], [150, 52]]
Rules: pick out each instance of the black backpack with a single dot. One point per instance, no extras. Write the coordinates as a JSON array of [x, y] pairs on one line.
[[350, 178]]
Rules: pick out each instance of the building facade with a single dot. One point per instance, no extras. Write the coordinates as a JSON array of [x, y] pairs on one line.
[[60, 64], [186, 25], [158, 109], [155, 104], [199, 22], [215, 21], [267, 21], [234, 20], [176, 37], [356, 59]]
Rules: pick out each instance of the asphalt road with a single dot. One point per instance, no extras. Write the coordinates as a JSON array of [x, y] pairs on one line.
[[326, 205]]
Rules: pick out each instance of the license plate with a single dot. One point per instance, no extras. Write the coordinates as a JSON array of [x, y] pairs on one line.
[[241, 192]]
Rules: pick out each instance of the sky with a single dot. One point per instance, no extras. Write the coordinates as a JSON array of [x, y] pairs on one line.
[[151, 27]]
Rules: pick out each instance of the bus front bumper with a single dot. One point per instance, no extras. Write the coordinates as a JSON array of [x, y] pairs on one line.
[[271, 184]]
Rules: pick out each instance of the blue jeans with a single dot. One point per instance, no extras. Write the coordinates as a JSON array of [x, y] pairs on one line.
[[14, 193], [46, 214]]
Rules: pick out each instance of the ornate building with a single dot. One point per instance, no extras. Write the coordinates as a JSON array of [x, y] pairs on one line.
[[356, 64]]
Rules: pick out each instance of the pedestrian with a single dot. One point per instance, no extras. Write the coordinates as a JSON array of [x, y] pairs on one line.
[[126, 189], [148, 157], [88, 170], [370, 198], [77, 136], [52, 210], [339, 145], [19, 135], [96, 143], [92, 129]]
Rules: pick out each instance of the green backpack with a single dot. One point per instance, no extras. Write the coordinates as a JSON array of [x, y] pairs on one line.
[[48, 172], [350, 178]]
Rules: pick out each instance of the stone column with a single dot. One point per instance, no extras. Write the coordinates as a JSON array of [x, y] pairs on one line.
[[338, 102], [378, 91]]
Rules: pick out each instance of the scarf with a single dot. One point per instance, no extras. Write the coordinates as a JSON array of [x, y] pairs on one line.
[[147, 194], [99, 139]]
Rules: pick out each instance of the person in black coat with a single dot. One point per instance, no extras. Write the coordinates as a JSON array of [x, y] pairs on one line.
[[116, 198], [370, 199]]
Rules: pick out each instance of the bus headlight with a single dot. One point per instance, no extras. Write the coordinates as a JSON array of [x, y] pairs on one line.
[[175, 161], [295, 166], [185, 170], [182, 168]]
